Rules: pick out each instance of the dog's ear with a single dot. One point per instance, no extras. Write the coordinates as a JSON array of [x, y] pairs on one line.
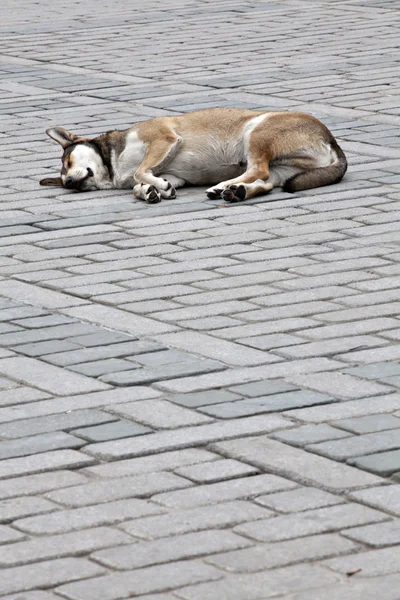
[[62, 136], [56, 181]]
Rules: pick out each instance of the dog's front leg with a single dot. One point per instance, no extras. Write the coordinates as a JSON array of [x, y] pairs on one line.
[[159, 153]]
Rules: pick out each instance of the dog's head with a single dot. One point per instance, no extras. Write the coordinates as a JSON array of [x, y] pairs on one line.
[[82, 167]]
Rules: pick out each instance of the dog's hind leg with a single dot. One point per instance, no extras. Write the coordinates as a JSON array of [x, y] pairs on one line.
[[245, 191]]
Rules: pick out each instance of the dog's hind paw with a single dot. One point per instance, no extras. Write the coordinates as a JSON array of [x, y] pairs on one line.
[[234, 193], [214, 193]]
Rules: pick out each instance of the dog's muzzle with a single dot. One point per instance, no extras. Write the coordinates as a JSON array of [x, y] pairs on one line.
[[77, 184]]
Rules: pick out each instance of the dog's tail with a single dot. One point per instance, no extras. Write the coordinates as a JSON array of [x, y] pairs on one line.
[[321, 175]]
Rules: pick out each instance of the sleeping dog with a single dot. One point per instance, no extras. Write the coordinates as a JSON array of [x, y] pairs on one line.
[[240, 153]]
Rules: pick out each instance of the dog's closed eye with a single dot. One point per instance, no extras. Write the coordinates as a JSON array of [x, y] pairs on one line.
[[55, 181]]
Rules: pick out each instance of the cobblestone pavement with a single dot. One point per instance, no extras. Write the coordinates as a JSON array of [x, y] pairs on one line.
[[197, 401]]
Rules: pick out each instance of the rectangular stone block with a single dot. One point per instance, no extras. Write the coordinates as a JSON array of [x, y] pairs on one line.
[[160, 414], [187, 437], [153, 463], [339, 384], [46, 461], [111, 431], [299, 499], [35, 444], [51, 379], [385, 498], [210, 347], [358, 445], [47, 423], [139, 486], [59, 546], [176, 522], [37, 484], [321, 520], [372, 563], [109, 513], [280, 554], [382, 463], [301, 466], [47, 574], [189, 545], [160, 578], [218, 470], [224, 491]]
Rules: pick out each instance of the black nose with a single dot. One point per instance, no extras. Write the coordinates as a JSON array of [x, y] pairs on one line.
[[69, 182], [90, 172]]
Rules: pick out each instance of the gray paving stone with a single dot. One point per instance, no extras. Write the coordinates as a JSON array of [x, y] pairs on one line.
[[237, 489], [349, 409], [102, 367], [176, 522], [47, 574], [39, 297], [189, 545], [64, 421], [260, 404], [299, 499], [117, 350], [160, 414], [46, 461], [36, 484], [24, 507], [157, 359], [320, 520], [210, 347], [35, 444], [111, 431], [68, 544], [203, 398], [48, 377], [187, 437], [153, 463], [382, 463], [216, 471], [309, 434], [8, 535], [119, 320], [164, 372], [377, 536], [245, 374], [43, 348], [139, 486], [369, 424], [372, 563], [281, 554], [357, 589], [100, 338], [296, 464], [262, 388], [75, 402], [358, 445], [385, 498], [142, 581], [343, 386], [78, 519], [252, 586]]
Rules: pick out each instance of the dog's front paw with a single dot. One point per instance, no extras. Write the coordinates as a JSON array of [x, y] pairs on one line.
[[214, 193], [146, 192], [234, 193], [169, 193]]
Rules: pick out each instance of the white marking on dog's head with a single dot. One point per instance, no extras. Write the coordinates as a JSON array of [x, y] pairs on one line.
[[83, 168]]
